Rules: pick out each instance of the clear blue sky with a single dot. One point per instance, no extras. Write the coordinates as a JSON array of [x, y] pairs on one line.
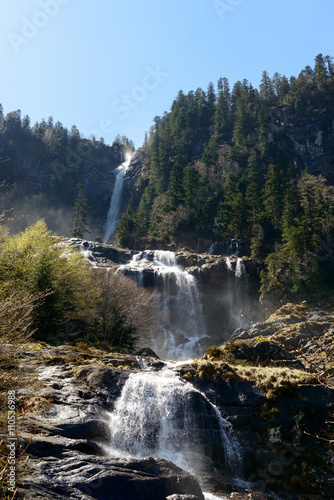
[[110, 66]]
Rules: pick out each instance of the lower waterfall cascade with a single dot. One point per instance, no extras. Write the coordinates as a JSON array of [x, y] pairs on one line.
[[160, 415]]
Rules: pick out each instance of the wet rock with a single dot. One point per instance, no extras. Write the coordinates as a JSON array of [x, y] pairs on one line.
[[146, 351], [87, 477], [182, 497], [58, 446]]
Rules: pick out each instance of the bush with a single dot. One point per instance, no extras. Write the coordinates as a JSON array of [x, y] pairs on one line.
[[44, 284], [16, 315], [34, 262], [125, 311]]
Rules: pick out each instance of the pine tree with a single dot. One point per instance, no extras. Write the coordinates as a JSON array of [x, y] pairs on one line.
[[80, 219], [272, 196], [320, 72], [222, 119], [125, 231], [267, 93], [191, 185], [175, 193]]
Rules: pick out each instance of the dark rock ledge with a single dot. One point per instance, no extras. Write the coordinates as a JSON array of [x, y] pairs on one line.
[[87, 477]]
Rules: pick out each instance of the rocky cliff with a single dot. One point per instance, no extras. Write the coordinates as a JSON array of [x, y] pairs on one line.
[[45, 186], [307, 135]]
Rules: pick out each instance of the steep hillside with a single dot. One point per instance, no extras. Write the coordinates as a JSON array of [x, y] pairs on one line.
[[247, 164]]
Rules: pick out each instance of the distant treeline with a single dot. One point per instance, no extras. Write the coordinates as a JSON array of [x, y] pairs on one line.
[[19, 140]]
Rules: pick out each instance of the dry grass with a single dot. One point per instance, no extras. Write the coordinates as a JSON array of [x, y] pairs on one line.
[[16, 315], [271, 380]]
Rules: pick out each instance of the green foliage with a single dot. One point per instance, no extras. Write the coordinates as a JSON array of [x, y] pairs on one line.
[[304, 262], [217, 169], [175, 192], [33, 262], [126, 229], [272, 195], [44, 284]]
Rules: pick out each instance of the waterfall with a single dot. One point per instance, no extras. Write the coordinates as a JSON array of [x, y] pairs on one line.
[[114, 209], [232, 247], [160, 415], [181, 311], [238, 292]]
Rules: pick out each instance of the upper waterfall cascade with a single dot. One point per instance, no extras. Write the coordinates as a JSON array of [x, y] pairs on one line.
[[181, 311], [114, 209]]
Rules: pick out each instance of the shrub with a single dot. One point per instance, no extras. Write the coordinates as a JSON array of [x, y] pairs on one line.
[[44, 284], [125, 311], [33, 263], [16, 315]]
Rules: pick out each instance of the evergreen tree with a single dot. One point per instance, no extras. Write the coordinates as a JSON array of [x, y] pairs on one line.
[[222, 119], [80, 218], [272, 195], [320, 72], [175, 193], [191, 185], [126, 229], [267, 93]]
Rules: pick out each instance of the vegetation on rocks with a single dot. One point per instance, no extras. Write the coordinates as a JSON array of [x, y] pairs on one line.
[[273, 381], [298, 349]]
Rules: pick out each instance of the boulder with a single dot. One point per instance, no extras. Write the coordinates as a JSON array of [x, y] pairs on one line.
[[257, 330], [147, 352]]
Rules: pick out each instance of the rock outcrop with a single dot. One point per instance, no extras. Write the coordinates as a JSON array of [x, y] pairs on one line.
[[306, 331], [83, 476], [66, 426], [310, 136]]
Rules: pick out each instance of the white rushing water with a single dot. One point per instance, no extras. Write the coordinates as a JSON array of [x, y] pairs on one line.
[[238, 302], [160, 415], [181, 311], [114, 209]]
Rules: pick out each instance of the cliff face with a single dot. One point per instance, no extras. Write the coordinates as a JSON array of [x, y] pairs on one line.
[[46, 187], [308, 136]]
